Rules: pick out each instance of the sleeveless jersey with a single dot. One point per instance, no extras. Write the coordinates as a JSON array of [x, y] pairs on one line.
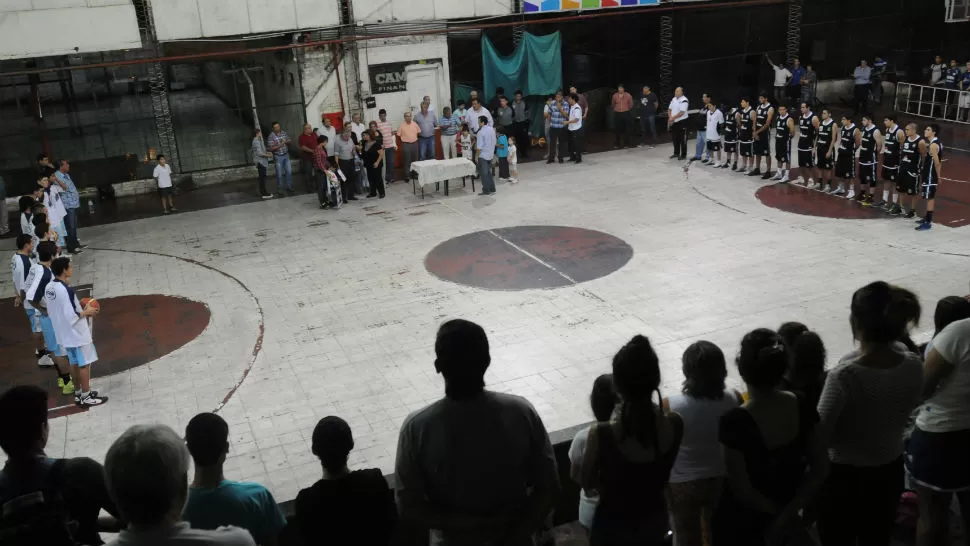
[[847, 141], [782, 134], [824, 139], [731, 126], [909, 156], [806, 132], [867, 146], [762, 115], [745, 131], [930, 176], [890, 159]]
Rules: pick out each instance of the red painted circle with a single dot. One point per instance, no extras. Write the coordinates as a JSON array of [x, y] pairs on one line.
[[528, 257], [130, 331], [801, 200]]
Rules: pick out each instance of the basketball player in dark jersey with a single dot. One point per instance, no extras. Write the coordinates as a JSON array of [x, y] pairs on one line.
[[807, 129], [784, 130], [826, 140], [869, 144], [931, 172], [849, 139], [891, 147], [730, 137], [764, 116], [745, 119], [909, 160]]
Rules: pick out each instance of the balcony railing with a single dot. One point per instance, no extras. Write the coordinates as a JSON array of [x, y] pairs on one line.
[[927, 101]]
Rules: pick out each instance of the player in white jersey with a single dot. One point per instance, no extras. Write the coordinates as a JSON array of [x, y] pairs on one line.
[[20, 264], [73, 330], [714, 126], [37, 280]]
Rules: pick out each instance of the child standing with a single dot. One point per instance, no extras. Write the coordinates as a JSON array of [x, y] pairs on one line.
[[55, 208], [163, 177], [513, 161], [467, 141], [502, 153]]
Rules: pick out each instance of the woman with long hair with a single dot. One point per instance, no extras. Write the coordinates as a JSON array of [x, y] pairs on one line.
[[628, 460], [603, 401], [806, 373], [698, 473], [948, 310], [864, 410], [774, 461], [372, 154]]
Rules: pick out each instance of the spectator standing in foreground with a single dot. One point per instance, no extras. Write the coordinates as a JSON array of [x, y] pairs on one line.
[[409, 132], [502, 153], [861, 77], [475, 467], [782, 75], [677, 123], [520, 121], [700, 118], [864, 411], [329, 131], [307, 143], [556, 112], [213, 500], [372, 154], [473, 115], [622, 105], [426, 121], [766, 444], [697, 476], [389, 144], [344, 152], [628, 460], [603, 401], [948, 310], [938, 452], [163, 179], [575, 128], [648, 115], [261, 160], [279, 144], [449, 125], [503, 116], [357, 127], [485, 143], [79, 481], [583, 103], [321, 164], [72, 201], [146, 471], [806, 374], [349, 508]]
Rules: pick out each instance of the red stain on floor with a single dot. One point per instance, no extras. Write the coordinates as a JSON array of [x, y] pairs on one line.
[[130, 331]]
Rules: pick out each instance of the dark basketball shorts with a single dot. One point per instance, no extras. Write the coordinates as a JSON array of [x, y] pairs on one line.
[[713, 145], [824, 163], [805, 159], [927, 191], [783, 151], [906, 183], [845, 166], [747, 148], [731, 147], [890, 174], [762, 146], [867, 173], [165, 191]]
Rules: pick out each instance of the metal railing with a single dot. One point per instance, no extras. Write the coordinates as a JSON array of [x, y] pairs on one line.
[[933, 102]]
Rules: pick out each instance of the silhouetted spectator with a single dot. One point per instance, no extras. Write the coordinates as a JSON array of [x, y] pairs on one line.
[[475, 467], [948, 310], [603, 401], [697, 477], [806, 374], [628, 460], [215, 501], [864, 410], [938, 452], [147, 472], [769, 444], [344, 507], [790, 331], [78, 482]]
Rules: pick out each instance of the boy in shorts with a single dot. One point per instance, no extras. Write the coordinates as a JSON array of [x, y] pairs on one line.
[[20, 264], [37, 280], [73, 332], [163, 177]]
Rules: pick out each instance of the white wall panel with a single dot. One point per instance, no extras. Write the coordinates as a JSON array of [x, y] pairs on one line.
[[83, 26], [373, 11], [398, 50], [215, 18]]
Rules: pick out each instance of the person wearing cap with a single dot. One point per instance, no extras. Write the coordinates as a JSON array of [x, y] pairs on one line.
[[350, 508]]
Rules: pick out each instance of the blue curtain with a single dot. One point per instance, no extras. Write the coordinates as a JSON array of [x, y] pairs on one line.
[[535, 66]]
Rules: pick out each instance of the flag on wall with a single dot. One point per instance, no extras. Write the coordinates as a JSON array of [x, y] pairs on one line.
[[537, 6]]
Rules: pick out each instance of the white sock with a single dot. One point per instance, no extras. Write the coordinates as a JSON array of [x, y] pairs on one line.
[[885, 195], [896, 198]]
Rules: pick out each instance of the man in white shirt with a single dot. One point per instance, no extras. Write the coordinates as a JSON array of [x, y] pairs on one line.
[[677, 123], [329, 131], [357, 128], [575, 128], [715, 120], [163, 177], [473, 113], [73, 332], [782, 75]]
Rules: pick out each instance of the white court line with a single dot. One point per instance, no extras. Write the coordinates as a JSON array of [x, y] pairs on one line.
[[533, 256]]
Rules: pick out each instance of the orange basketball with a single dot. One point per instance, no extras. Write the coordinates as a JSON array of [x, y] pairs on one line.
[[90, 301]]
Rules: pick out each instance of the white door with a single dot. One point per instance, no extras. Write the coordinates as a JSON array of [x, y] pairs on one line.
[[424, 80]]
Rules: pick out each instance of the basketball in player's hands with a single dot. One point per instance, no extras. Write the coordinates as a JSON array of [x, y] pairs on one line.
[[90, 302]]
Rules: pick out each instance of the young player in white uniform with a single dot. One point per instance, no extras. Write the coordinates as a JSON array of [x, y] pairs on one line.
[[55, 208], [714, 128], [37, 280], [73, 332], [20, 264]]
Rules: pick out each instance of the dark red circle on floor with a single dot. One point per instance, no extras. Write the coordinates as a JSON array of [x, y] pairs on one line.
[[130, 331], [528, 257], [801, 200]]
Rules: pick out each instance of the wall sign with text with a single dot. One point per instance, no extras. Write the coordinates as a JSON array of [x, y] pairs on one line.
[[534, 6], [391, 77]]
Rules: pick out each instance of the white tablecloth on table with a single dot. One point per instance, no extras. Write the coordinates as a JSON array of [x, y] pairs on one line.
[[431, 171]]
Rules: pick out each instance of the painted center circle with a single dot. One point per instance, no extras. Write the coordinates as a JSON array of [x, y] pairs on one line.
[[800, 200], [528, 257]]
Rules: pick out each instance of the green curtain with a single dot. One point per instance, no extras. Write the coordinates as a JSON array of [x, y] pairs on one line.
[[535, 66]]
